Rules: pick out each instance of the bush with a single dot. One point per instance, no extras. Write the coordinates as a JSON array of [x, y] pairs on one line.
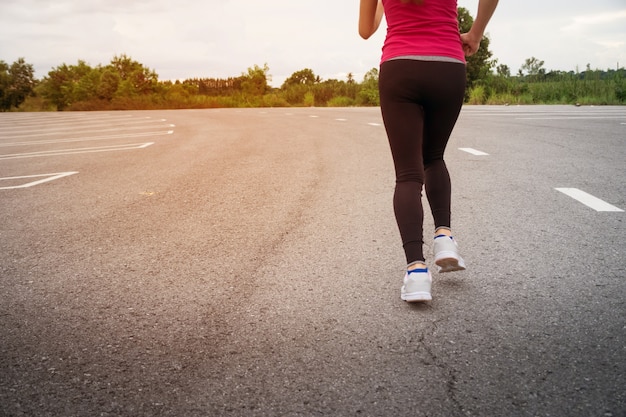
[[368, 97], [274, 100], [477, 95], [35, 103], [341, 102], [294, 94], [309, 99]]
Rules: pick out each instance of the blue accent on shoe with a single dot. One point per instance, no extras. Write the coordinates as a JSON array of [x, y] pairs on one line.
[[420, 270], [438, 236]]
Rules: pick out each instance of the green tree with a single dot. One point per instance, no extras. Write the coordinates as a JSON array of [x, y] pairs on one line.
[[303, 88], [109, 83], [62, 85], [326, 90], [86, 88], [503, 70], [305, 76], [67, 85], [16, 83], [255, 81], [134, 77], [368, 94], [533, 68], [5, 86]]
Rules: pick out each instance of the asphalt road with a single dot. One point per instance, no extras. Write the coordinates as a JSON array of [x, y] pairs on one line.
[[247, 263]]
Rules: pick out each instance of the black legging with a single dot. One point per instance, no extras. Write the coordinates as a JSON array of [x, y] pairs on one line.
[[420, 103]]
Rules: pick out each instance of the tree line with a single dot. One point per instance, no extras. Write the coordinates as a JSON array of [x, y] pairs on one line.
[[125, 84]]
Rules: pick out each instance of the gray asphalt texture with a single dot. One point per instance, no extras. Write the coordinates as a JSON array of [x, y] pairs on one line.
[[247, 263]]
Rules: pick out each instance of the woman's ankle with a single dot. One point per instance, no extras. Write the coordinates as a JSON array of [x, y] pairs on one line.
[[443, 231], [416, 265]]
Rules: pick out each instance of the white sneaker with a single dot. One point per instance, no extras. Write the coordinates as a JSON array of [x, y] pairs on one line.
[[416, 286], [447, 256]]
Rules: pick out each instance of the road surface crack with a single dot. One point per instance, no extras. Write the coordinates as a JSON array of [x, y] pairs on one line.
[[450, 374]]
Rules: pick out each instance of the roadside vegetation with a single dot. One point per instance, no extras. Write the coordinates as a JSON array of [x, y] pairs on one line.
[[125, 84]]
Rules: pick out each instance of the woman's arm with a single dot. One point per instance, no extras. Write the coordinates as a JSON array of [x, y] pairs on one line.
[[370, 15], [471, 40]]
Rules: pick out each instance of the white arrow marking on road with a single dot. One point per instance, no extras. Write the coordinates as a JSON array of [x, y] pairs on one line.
[[48, 177], [589, 200], [474, 151]]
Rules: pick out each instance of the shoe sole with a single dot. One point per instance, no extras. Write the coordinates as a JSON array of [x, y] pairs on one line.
[[449, 263], [416, 297]]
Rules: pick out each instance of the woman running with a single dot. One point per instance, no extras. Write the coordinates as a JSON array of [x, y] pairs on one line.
[[422, 86]]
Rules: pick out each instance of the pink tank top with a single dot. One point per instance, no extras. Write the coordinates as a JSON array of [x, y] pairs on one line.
[[427, 30]]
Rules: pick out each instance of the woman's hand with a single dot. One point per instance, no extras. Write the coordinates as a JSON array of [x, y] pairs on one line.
[[471, 43], [471, 40]]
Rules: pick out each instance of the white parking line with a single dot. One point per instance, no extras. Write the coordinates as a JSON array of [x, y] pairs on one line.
[[570, 118], [589, 200], [52, 132], [474, 151], [90, 125], [87, 139], [48, 177], [77, 151]]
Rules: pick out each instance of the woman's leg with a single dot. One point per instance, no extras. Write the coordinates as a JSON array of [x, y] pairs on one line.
[[419, 115], [403, 116], [441, 113]]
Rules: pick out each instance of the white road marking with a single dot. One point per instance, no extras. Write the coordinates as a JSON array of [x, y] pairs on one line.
[[87, 139], [589, 200], [47, 178], [569, 118], [77, 151], [374, 124], [52, 132], [46, 126], [474, 151], [43, 121], [341, 120]]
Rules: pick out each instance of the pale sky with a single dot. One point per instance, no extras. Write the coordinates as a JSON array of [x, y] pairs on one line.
[[222, 38]]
